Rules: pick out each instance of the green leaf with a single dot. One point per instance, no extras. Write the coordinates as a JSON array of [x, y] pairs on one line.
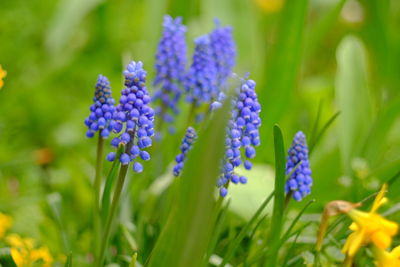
[[352, 97], [284, 64], [234, 245], [186, 235], [314, 141], [55, 201], [289, 230], [66, 20], [322, 27], [220, 220], [133, 260], [279, 199], [6, 259], [106, 198], [68, 263]]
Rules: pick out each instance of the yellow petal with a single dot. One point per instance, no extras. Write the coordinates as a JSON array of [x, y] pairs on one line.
[[381, 240], [379, 199]]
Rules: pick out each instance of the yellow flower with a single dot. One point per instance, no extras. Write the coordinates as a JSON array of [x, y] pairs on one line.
[[385, 259], [3, 74], [24, 253], [5, 220], [370, 227], [270, 6], [42, 254]]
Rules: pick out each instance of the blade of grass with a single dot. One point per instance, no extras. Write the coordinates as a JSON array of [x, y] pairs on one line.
[[279, 198], [105, 206], [288, 231], [313, 142], [315, 126], [283, 63], [133, 260], [351, 87], [187, 233], [289, 251], [234, 245], [218, 228], [68, 262]]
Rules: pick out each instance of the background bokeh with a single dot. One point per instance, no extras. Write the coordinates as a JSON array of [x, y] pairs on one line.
[[337, 55]]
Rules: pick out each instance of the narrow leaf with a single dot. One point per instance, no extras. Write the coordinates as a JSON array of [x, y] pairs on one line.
[[186, 235], [279, 199], [234, 245]]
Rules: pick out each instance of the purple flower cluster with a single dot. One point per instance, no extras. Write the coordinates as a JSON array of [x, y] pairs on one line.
[[201, 79], [102, 110], [187, 143], [243, 135], [134, 118], [300, 181], [170, 67], [224, 51]]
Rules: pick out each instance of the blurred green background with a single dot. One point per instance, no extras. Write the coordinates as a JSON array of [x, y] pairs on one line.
[[334, 54]]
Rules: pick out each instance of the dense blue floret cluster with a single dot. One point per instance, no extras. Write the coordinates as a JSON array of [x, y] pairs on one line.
[[243, 135], [201, 81], [134, 118], [224, 51], [187, 143], [102, 110], [300, 181], [170, 68]]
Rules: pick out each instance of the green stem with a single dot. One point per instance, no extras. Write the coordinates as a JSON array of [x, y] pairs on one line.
[[97, 187], [111, 215], [287, 199]]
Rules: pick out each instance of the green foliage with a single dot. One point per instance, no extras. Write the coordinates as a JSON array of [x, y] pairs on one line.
[[328, 68], [189, 226]]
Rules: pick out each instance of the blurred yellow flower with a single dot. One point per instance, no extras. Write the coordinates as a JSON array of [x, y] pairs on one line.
[[3, 74], [370, 227], [5, 224], [385, 258], [24, 253], [270, 6]]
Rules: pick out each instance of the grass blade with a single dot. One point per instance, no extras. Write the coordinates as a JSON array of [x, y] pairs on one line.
[[315, 126], [284, 63], [279, 199], [234, 245], [289, 230], [105, 206], [186, 235], [313, 142], [68, 262], [218, 228], [351, 88]]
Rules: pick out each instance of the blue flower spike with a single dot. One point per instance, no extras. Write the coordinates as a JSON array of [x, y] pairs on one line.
[[300, 181], [224, 51], [134, 118], [102, 110], [242, 135], [201, 80], [187, 144], [170, 68]]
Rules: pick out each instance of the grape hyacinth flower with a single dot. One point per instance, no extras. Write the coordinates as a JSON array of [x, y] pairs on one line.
[[170, 68], [134, 118], [102, 110], [187, 143], [299, 182], [201, 79], [242, 135], [224, 51]]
